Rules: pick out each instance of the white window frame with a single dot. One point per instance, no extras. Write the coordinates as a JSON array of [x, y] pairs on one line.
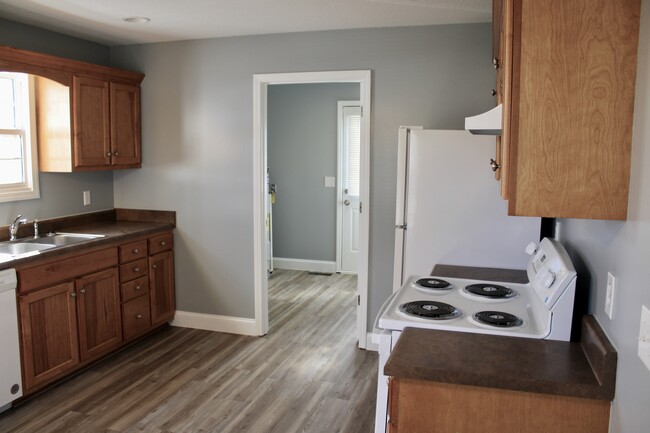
[[29, 188]]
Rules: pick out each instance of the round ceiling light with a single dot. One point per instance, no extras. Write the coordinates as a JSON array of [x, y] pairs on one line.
[[137, 20]]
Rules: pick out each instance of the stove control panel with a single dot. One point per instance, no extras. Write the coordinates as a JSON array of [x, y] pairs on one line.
[[550, 270]]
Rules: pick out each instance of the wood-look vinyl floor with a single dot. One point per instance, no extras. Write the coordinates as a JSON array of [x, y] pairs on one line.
[[306, 375]]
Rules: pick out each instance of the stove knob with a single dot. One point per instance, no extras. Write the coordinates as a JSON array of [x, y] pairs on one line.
[[546, 278], [531, 248]]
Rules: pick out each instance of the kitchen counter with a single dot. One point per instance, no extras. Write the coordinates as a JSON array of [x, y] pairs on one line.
[[117, 226], [586, 369]]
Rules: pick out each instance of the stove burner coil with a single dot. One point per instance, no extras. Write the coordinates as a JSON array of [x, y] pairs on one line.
[[490, 291], [430, 310], [498, 318], [433, 283]]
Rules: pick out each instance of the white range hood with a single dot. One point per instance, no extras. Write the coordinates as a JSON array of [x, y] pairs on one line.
[[488, 123]]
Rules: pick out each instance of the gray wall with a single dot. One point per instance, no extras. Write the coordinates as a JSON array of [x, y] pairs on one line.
[[302, 150], [197, 105], [61, 194], [623, 248]]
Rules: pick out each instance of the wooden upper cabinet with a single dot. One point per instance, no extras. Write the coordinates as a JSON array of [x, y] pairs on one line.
[[90, 110], [568, 105], [88, 116]]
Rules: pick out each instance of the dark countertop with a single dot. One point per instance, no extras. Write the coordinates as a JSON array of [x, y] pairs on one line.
[[585, 369], [519, 364], [117, 226]]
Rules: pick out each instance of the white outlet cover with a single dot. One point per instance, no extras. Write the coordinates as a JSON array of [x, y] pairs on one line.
[[644, 336], [609, 296]]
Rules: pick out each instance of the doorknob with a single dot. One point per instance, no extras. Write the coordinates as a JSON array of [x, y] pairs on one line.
[[346, 202], [345, 191]]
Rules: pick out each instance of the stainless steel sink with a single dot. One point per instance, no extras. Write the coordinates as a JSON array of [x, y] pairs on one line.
[[62, 239], [22, 248]]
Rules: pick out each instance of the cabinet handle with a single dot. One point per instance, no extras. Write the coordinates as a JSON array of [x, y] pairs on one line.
[[163, 243], [138, 316], [109, 154], [73, 295], [82, 291], [494, 165], [136, 251], [154, 266], [138, 287], [495, 62], [136, 269], [116, 153], [493, 92]]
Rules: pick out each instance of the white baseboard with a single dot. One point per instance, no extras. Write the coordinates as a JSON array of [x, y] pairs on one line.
[[304, 265], [212, 322], [369, 344]]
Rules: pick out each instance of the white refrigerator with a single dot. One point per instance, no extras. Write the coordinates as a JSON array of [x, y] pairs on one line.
[[449, 209]]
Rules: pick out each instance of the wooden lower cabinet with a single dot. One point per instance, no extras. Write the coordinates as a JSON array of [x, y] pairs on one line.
[[136, 317], [161, 282], [421, 406], [48, 321], [99, 312]]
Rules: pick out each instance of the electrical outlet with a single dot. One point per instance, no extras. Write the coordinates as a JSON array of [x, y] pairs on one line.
[[644, 336], [86, 198], [330, 181], [609, 297]]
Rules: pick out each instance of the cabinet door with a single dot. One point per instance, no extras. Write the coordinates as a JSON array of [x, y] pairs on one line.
[[90, 108], [161, 283], [125, 125], [48, 320], [100, 319]]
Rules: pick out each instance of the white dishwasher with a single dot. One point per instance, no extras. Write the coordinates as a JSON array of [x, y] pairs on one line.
[[10, 382]]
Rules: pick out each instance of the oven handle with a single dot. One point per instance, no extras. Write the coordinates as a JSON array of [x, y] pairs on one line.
[[375, 326]]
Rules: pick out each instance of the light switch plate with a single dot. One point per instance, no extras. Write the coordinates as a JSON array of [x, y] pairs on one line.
[[86, 198], [330, 182], [609, 297], [644, 336]]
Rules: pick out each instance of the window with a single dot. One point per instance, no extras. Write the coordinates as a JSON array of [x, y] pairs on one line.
[[18, 164]]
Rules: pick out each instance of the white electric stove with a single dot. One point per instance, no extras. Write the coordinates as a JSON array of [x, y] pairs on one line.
[[541, 308]]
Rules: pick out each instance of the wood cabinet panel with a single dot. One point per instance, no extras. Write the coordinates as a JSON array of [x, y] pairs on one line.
[[133, 270], [136, 317], [48, 322], [450, 408], [125, 124], [567, 130], [91, 128], [161, 283], [61, 270], [135, 288], [100, 320], [133, 251], [158, 244]]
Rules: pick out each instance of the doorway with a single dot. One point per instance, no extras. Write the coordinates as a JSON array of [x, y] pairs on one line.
[[260, 88]]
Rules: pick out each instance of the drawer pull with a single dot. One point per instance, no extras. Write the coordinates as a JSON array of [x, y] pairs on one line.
[[138, 316], [73, 295], [136, 269], [138, 287], [163, 243], [136, 251], [154, 266], [83, 290]]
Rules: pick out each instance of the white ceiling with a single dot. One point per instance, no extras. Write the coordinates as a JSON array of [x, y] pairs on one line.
[[102, 20]]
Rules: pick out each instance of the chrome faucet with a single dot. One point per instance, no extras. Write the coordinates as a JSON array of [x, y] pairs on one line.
[[13, 228]]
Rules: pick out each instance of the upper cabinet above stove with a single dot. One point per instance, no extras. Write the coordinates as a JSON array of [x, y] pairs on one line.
[[565, 76], [87, 116]]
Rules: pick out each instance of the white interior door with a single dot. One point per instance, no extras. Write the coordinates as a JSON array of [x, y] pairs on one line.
[[349, 185]]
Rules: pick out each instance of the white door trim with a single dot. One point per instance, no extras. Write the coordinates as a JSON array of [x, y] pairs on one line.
[[260, 85], [339, 175]]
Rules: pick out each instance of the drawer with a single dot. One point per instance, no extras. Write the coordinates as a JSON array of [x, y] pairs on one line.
[[136, 319], [133, 251], [133, 270], [161, 243], [66, 269], [135, 288]]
